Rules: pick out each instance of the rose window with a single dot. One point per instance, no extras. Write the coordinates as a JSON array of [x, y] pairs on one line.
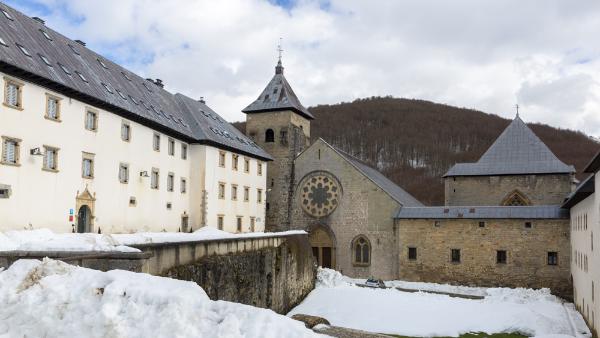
[[320, 194]]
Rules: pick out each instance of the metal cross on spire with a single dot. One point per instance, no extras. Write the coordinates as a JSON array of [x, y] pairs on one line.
[[279, 49], [517, 108]]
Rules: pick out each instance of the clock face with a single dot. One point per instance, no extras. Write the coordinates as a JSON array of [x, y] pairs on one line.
[[320, 193]]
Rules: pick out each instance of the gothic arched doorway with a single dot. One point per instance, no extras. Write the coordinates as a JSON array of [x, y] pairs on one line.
[[323, 247], [84, 216]]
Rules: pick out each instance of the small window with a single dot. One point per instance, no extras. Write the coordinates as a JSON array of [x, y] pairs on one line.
[[133, 100], [246, 194], [87, 170], [125, 131], [220, 221], [12, 94], [184, 151], [123, 173], [102, 64], [50, 159], [126, 76], [222, 191], [91, 120], [45, 60], [171, 147], [107, 87], [52, 107], [222, 159], [75, 51], [121, 94], [132, 201], [437, 224], [24, 50], [234, 161], [3, 43], [259, 196], [501, 257], [552, 258], [283, 137], [455, 255], [64, 68], [234, 192], [154, 178], [183, 184], [259, 169], [527, 225], [10, 150], [170, 182], [239, 224], [156, 142], [81, 76], [46, 35], [246, 165], [412, 254], [252, 224], [269, 136], [362, 251], [482, 224], [7, 15]]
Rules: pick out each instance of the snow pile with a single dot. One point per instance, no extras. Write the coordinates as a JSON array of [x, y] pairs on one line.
[[503, 310], [46, 240], [54, 299]]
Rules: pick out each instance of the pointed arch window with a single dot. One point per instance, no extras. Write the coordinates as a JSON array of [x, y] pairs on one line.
[[515, 199], [269, 136], [361, 251]]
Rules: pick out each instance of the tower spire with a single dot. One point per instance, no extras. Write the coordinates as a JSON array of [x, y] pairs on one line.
[[279, 68], [517, 108]]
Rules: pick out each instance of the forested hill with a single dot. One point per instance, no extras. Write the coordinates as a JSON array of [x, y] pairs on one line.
[[414, 142]]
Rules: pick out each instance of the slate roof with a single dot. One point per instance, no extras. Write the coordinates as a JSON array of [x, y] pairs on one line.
[[516, 151], [278, 95], [585, 189], [485, 212], [76, 71], [594, 165], [391, 188]]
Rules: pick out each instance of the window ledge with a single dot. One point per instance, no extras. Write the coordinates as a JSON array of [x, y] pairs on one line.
[[11, 164], [50, 170], [361, 264], [88, 177], [51, 119], [92, 130], [11, 106]]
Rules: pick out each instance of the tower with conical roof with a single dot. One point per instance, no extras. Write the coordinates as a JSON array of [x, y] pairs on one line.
[[517, 169], [280, 124]]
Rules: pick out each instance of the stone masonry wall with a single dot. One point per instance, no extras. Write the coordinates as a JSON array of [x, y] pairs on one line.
[[364, 209], [492, 190], [274, 277], [280, 170], [527, 251]]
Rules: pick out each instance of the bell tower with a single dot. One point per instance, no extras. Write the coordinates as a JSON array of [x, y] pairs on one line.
[[279, 124]]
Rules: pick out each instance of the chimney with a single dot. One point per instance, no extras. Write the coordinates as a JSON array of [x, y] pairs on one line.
[[159, 83], [38, 20], [80, 42], [202, 100], [149, 79]]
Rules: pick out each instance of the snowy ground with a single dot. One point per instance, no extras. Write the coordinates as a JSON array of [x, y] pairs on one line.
[[54, 299], [503, 310], [46, 240]]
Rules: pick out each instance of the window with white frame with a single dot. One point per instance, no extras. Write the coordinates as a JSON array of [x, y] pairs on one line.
[[234, 192], [156, 142], [52, 107], [239, 224], [184, 151], [124, 173], [125, 131], [234, 159], [171, 147], [12, 93], [10, 150], [183, 185], [259, 195], [221, 190], [154, 178], [87, 165], [50, 158], [259, 169], [246, 165], [91, 120], [170, 181], [221, 159], [220, 221], [246, 194]]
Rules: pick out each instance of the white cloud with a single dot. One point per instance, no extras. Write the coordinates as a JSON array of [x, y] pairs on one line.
[[469, 53]]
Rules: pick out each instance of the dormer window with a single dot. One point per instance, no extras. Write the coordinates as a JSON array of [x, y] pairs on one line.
[[133, 99], [3, 43], [7, 15], [64, 68], [45, 34], [81, 76], [107, 87], [102, 64], [74, 49], [147, 87], [126, 76], [24, 50], [145, 105], [121, 95], [45, 59]]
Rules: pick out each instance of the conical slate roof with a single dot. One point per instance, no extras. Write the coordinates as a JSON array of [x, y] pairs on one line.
[[516, 151], [278, 95]]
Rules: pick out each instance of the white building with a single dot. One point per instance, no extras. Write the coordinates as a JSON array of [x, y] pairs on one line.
[[584, 204], [89, 146]]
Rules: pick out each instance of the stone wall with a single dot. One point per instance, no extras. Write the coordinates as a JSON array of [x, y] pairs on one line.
[[493, 190], [527, 250], [364, 209], [281, 170], [277, 277], [103, 261]]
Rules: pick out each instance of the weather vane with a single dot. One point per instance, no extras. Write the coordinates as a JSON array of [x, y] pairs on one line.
[[517, 108], [279, 49]]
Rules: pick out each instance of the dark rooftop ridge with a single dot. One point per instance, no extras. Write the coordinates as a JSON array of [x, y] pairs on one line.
[[80, 42], [38, 19]]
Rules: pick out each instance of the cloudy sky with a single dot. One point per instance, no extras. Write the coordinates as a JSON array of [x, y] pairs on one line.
[[488, 55]]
